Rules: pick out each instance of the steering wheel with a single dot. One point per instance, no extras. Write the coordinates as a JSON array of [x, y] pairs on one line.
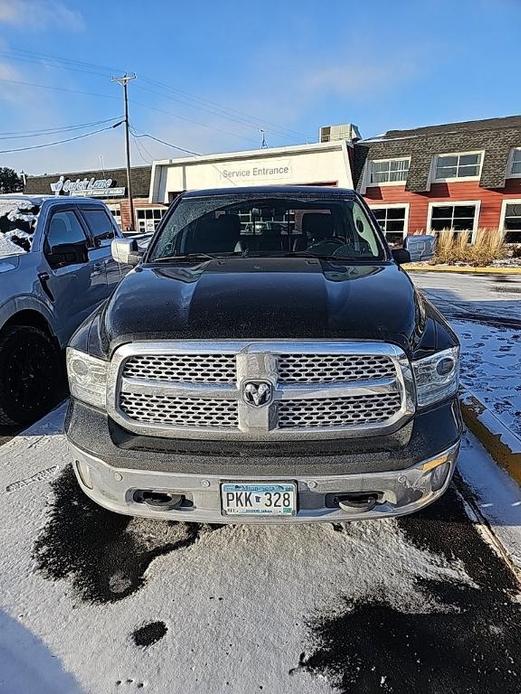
[[326, 246]]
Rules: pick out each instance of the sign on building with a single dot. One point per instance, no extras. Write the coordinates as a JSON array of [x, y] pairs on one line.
[[89, 187]]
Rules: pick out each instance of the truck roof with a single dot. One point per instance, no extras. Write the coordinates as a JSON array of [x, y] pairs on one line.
[[315, 191], [39, 199]]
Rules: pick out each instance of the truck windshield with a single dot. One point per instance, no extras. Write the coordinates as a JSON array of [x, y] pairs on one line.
[[235, 225]]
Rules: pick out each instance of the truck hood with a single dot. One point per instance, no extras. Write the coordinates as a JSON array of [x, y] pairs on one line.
[[256, 298]]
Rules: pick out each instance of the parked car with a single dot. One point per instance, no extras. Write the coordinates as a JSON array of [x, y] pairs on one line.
[[55, 268], [301, 380]]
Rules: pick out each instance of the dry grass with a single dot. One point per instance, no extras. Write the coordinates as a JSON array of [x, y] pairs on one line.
[[456, 247]]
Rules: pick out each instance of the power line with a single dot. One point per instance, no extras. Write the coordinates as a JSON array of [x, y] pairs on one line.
[[56, 61], [190, 100], [169, 144], [19, 134], [226, 112], [57, 89], [109, 96], [192, 121], [138, 148], [58, 142], [145, 149], [187, 151]]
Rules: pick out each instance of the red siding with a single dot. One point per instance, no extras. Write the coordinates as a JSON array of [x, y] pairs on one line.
[[138, 204], [490, 210]]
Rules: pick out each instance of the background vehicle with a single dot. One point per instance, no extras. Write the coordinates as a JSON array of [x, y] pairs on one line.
[[55, 268], [290, 375]]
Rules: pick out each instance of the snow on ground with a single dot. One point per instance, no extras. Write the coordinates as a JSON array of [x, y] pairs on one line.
[[485, 311], [229, 606], [496, 494], [472, 296], [491, 368]]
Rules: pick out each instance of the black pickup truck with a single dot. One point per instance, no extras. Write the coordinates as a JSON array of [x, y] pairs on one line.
[[266, 360]]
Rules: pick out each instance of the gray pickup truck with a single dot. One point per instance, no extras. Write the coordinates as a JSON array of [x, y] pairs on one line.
[[55, 268]]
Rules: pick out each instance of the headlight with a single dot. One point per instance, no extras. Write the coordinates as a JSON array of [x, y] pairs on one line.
[[87, 377], [437, 377]]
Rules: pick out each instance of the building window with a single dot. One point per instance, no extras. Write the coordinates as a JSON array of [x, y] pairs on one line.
[[382, 171], [514, 169], [450, 167], [460, 216], [511, 220], [393, 221], [147, 218], [116, 213]]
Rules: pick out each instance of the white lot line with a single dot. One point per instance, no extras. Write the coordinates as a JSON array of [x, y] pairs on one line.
[[236, 602]]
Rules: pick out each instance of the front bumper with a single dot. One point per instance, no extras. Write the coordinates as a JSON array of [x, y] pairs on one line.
[[404, 471], [399, 492]]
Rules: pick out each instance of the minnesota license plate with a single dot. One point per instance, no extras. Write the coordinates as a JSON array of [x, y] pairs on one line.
[[271, 499]]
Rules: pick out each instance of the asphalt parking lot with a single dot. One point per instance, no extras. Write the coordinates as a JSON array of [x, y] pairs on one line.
[[96, 602]]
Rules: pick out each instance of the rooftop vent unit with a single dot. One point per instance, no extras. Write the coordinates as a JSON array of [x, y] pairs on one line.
[[345, 131]]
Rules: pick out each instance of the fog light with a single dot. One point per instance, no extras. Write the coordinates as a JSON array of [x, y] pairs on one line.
[[439, 476], [84, 474]]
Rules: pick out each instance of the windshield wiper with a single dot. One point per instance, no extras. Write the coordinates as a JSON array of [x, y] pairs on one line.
[[186, 256], [319, 256]]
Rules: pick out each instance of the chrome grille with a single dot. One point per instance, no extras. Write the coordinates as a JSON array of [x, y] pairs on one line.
[[318, 389], [179, 412], [338, 412], [184, 368], [331, 368]]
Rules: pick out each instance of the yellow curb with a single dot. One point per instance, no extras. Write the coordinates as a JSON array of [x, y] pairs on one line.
[[502, 444], [489, 270]]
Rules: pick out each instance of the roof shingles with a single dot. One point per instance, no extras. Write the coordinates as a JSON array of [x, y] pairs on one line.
[[495, 136]]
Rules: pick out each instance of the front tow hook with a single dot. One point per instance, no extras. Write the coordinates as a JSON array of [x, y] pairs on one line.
[[358, 503], [162, 501]]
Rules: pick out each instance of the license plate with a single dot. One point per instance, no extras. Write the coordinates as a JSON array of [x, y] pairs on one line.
[[271, 499]]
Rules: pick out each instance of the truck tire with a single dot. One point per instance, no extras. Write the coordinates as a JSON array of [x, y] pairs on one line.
[[31, 374]]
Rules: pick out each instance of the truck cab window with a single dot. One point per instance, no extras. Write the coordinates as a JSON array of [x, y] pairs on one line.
[[66, 242], [99, 224]]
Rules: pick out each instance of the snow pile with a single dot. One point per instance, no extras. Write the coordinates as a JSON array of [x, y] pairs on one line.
[[17, 223], [8, 247]]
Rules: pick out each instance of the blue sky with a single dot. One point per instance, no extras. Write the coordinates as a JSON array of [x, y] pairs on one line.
[[210, 74]]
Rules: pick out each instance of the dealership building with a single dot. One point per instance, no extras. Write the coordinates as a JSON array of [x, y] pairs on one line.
[[462, 176], [109, 185]]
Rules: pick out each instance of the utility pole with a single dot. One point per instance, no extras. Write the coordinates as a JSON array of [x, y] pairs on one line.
[[124, 83]]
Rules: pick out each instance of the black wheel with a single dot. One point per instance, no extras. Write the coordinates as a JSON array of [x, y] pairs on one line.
[[31, 374]]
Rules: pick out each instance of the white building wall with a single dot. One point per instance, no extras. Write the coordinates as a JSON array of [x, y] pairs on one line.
[[306, 164]]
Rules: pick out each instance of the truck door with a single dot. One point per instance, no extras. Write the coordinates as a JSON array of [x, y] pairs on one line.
[[76, 281], [102, 229]]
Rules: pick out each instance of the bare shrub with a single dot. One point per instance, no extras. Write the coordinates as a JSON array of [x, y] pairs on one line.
[[456, 247], [488, 245]]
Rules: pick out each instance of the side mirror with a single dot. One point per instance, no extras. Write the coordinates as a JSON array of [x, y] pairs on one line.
[[420, 247], [126, 251], [401, 256]]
